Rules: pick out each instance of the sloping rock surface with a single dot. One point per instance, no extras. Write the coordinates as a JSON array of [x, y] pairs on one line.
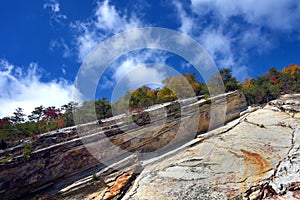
[[55, 160], [254, 157]]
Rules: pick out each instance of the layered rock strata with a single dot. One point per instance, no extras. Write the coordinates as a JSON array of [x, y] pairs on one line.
[[253, 157], [57, 159]]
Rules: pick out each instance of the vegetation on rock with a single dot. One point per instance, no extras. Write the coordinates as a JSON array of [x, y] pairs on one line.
[[257, 90]]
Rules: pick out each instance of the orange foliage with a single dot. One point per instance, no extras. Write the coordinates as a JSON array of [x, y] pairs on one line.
[[291, 69], [59, 123]]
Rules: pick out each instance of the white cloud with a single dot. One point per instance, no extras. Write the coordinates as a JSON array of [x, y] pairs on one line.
[[241, 72], [218, 46], [142, 74], [147, 66], [133, 73], [25, 89], [279, 14], [86, 42], [187, 22], [254, 39], [108, 21], [63, 70], [61, 44], [53, 5], [55, 13], [212, 38], [232, 31]]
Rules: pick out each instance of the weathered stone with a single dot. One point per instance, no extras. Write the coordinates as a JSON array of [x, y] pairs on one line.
[[61, 154], [224, 164], [286, 174], [110, 182], [118, 185]]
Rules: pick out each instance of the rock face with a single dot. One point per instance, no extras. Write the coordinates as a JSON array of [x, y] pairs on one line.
[[109, 183], [50, 162], [289, 104], [254, 157], [285, 180]]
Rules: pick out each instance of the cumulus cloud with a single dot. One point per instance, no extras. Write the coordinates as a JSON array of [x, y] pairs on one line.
[[212, 38], [137, 76], [218, 46], [135, 69], [136, 59], [279, 14], [25, 89], [108, 21], [133, 72], [187, 22], [231, 30], [86, 42]]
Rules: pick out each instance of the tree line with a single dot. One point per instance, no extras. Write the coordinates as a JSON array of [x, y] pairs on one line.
[[272, 84], [43, 119]]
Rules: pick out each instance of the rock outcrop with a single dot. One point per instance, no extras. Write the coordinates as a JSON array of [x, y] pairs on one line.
[[51, 162], [256, 155], [253, 157]]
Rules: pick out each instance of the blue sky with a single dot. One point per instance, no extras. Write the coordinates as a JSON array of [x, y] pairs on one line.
[[43, 43]]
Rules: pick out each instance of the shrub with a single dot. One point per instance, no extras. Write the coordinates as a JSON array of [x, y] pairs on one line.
[[27, 150]]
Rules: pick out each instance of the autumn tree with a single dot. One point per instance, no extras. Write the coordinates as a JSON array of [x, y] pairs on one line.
[[181, 87], [270, 85], [291, 78], [51, 113], [52, 117], [141, 98], [165, 95], [5, 128]]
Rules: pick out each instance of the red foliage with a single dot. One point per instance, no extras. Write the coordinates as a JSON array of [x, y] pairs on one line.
[[3, 122], [51, 113], [274, 79]]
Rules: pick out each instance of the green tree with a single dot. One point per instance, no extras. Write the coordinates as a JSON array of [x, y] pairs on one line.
[[122, 105], [230, 82], [37, 114], [67, 115], [103, 108], [18, 116]]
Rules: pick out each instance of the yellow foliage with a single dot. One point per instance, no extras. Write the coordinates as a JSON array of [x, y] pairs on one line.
[[249, 83], [291, 69]]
